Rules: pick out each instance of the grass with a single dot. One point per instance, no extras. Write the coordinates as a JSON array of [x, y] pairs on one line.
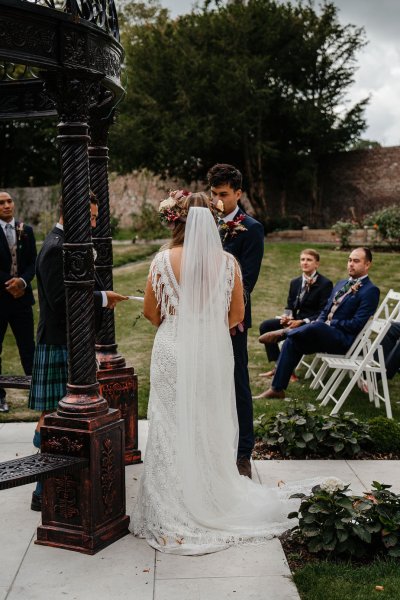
[[346, 581], [135, 336]]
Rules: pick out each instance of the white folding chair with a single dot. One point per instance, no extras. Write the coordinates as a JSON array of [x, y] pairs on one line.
[[365, 361], [384, 310]]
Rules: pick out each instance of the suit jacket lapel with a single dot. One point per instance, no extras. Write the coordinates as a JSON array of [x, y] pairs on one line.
[[4, 241]]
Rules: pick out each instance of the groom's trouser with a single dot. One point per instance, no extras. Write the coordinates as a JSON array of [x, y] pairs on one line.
[[307, 339], [244, 402]]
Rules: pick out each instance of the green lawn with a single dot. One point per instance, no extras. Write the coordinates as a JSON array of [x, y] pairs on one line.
[[334, 581], [280, 262]]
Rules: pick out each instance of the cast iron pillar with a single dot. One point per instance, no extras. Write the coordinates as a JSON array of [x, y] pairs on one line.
[[82, 511], [118, 382]]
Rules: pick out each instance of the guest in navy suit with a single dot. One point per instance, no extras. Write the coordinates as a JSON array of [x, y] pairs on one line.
[[243, 237], [17, 269], [351, 304], [307, 296]]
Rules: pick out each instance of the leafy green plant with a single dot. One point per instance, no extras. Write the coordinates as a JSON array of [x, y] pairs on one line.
[[147, 225], [385, 434], [298, 432], [294, 431], [386, 222], [334, 522], [343, 230]]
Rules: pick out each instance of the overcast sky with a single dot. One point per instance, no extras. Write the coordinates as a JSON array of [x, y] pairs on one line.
[[378, 75]]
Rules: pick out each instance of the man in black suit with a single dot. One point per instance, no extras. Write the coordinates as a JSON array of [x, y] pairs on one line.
[[307, 297], [49, 377], [243, 237], [352, 302], [17, 269]]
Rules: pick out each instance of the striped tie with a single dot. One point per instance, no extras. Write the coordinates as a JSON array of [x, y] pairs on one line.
[[13, 249]]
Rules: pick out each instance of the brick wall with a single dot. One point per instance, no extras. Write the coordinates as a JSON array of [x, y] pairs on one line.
[[351, 183]]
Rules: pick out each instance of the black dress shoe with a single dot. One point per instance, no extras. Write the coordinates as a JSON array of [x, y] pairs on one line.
[[36, 503], [244, 466]]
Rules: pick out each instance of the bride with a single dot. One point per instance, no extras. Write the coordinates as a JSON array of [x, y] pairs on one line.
[[191, 498]]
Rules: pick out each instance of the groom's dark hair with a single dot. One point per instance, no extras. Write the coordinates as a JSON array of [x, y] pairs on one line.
[[222, 174]]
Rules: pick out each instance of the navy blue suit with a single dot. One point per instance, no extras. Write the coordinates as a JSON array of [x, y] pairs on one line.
[[348, 320], [307, 307], [17, 312], [248, 248]]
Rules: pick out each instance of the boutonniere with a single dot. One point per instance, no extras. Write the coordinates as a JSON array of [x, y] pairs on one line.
[[310, 281], [19, 230], [355, 287], [232, 228]]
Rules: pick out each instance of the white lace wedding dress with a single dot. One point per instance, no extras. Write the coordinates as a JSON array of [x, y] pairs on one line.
[[191, 498]]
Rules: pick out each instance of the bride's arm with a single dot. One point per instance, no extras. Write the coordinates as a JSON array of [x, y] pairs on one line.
[[236, 311], [151, 310]]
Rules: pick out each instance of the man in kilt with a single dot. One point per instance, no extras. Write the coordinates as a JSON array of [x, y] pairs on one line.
[[50, 372]]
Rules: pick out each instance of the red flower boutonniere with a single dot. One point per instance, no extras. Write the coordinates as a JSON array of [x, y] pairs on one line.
[[355, 287], [232, 228]]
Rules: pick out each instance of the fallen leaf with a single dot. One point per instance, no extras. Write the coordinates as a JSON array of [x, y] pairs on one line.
[[146, 570], [379, 588], [281, 483]]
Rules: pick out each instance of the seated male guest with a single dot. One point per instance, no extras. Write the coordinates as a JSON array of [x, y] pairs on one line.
[[352, 302], [308, 295]]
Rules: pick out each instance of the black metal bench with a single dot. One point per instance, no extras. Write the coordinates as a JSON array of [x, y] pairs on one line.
[[37, 467], [21, 382]]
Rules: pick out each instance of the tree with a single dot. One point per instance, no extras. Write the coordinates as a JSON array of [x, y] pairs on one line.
[[260, 84]]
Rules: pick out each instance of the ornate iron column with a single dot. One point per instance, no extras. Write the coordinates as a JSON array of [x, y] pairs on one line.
[[84, 511], [118, 383]]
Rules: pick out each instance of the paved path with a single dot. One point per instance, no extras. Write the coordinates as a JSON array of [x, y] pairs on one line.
[[130, 569]]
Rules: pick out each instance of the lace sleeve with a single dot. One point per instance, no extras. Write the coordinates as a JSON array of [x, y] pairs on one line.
[[164, 284], [232, 269]]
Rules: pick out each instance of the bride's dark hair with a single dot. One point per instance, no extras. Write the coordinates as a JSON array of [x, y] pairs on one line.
[[194, 199]]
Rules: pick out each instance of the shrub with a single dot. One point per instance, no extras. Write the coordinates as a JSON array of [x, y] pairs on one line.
[[386, 222], [385, 434], [147, 225], [343, 230], [332, 521], [297, 432]]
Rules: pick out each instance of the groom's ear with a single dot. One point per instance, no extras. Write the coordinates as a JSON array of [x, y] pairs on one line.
[[238, 194]]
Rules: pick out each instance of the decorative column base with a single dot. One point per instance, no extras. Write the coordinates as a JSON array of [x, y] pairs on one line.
[[85, 510], [120, 388]]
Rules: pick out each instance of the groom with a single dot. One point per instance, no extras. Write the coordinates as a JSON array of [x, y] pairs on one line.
[[243, 237]]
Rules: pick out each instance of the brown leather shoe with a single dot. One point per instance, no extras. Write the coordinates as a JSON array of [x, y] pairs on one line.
[[270, 394], [268, 374], [244, 466], [272, 337]]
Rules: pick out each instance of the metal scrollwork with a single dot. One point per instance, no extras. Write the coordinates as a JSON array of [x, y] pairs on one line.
[[78, 263], [107, 475], [66, 503], [99, 12]]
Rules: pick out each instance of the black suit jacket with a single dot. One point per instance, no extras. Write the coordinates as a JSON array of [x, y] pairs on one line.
[[52, 328], [248, 248], [313, 301], [26, 258]]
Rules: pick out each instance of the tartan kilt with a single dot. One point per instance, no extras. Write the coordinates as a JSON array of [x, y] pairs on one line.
[[49, 377]]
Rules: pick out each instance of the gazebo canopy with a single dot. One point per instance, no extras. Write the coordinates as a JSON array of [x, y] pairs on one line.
[[39, 36]]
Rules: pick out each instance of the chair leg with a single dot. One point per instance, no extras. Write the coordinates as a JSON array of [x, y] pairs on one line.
[[332, 385], [329, 384], [318, 379], [346, 392]]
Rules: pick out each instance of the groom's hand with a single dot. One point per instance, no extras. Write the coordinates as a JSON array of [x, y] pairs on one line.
[[113, 298]]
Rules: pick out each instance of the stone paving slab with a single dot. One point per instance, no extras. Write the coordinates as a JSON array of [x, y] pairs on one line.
[[130, 569]]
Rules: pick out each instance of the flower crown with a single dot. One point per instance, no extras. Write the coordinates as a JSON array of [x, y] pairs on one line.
[[172, 209]]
